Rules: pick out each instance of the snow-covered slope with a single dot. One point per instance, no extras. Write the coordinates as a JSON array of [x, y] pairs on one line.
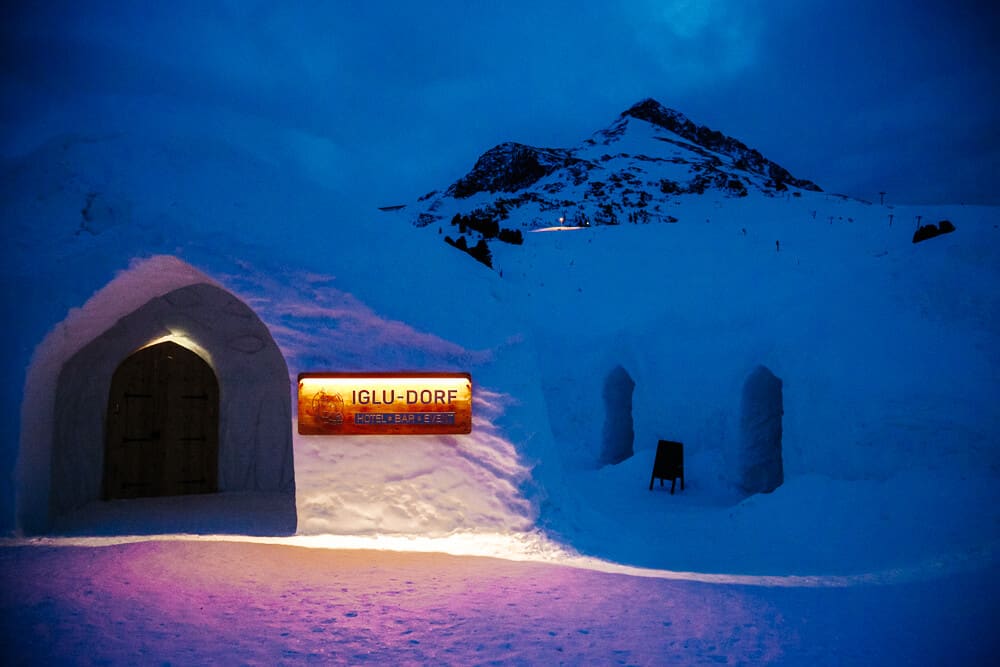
[[887, 350]]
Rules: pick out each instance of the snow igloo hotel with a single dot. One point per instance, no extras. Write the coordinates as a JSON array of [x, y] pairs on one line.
[[164, 405], [168, 393]]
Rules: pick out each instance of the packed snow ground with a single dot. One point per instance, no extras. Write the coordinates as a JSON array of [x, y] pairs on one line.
[[187, 603]]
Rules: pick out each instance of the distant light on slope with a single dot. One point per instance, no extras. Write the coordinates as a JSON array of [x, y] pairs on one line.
[[557, 229]]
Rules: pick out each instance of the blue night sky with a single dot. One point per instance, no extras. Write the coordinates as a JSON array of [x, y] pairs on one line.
[[387, 100]]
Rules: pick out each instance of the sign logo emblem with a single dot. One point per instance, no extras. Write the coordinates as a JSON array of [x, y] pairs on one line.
[[328, 409]]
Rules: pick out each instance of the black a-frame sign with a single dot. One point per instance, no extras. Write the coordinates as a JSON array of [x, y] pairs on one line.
[[669, 464]]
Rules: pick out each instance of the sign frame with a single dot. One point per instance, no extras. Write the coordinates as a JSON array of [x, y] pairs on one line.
[[384, 403]]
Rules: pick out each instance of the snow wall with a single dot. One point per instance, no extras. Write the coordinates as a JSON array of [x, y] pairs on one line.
[[60, 463], [886, 350]]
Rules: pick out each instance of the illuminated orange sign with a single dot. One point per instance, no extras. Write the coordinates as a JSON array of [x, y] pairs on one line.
[[384, 403]]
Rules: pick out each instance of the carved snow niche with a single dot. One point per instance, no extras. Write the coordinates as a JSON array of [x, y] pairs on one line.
[[618, 434], [759, 460]]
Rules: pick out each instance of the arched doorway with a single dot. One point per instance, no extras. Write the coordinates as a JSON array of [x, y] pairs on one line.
[[618, 434], [162, 435], [762, 407]]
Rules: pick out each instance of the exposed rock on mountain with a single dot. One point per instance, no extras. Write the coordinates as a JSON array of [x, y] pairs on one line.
[[510, 167]]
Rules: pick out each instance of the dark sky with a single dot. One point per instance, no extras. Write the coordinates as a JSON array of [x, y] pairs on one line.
[[387, 100]]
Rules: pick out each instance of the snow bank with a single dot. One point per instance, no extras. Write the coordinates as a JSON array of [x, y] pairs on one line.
[[885, 348], [429, 485]]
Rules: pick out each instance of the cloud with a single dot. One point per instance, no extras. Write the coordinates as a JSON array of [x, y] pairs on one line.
[[390, 100], [697, 42]]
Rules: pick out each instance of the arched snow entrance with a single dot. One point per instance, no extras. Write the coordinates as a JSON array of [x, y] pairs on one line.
[[65, 414], [760, 466], [618, 434]]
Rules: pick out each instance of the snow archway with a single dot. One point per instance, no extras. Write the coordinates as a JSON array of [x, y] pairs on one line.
[[160, 299], [760, 464], [618, 434]]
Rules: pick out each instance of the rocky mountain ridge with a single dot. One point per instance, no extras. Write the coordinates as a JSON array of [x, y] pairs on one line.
[[634, 171]]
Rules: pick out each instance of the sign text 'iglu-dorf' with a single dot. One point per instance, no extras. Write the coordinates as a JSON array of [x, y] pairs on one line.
[[385, 403]]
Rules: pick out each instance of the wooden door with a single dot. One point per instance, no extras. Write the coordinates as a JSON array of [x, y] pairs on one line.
[[162, 436]]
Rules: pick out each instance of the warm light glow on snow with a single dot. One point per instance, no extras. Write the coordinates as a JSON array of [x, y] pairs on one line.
[[536, 547], [181, 338]]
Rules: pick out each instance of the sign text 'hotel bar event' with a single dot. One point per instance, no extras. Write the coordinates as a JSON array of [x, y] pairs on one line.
[[385, 403]]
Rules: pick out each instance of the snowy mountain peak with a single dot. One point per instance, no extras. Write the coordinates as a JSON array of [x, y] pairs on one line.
[[745, 158], [638, 170]]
